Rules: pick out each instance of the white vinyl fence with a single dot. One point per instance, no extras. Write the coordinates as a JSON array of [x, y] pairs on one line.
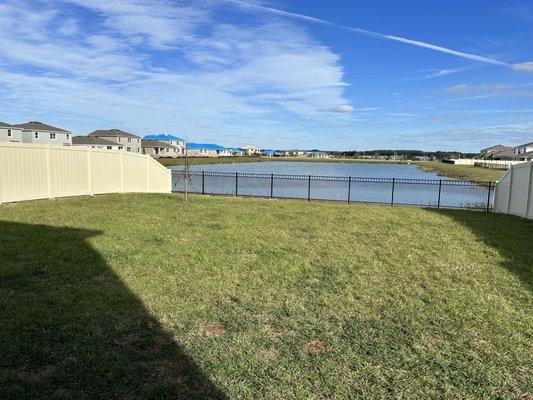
[[514, 192], [36, 171]]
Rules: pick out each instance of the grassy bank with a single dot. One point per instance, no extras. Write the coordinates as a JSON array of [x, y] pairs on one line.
[[230, 160], [142, 296], [468, 172]]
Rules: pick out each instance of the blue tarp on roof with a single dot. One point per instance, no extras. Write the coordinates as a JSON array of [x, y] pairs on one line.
[[204, 146], [162, 137]]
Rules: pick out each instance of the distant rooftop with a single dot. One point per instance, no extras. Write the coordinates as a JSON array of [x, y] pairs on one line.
[[6, 125], [113, 133], [204, 146], [151, 144], [93, 140], [163, 136], [39, 126]]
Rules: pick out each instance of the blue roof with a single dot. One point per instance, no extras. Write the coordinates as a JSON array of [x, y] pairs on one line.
[[204, 146], [162, 137]]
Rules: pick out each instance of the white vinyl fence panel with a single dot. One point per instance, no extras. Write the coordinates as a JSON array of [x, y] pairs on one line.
[[37, 171], [514, 192]]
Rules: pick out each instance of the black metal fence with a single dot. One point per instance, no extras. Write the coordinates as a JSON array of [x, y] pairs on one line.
[[439, 193]]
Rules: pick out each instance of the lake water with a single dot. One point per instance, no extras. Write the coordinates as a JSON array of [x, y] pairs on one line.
[[330, 182]]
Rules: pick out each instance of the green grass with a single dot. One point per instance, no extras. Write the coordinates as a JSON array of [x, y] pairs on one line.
[[231, 160], [143, 296], [469, 172]]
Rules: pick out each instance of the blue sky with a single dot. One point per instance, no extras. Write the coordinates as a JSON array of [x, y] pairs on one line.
[[275, 73]]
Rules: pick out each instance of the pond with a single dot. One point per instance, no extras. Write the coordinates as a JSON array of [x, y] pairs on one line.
[[350, 182]]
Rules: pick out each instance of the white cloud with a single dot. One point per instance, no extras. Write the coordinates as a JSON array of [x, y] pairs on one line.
[[523, 67], [344, 109], [239, 73]]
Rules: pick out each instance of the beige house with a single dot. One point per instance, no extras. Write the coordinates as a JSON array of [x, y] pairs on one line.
[[96, 143], [251, 150], [37, 132], [163, 146], [160, 149], [131, 142], [10, 133]]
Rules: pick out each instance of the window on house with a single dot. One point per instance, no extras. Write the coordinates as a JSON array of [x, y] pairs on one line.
[[128, 148], [9, 133], [52, 136], [109, 148], [36, 135], [119, 139], [129, 140], [68, 136]]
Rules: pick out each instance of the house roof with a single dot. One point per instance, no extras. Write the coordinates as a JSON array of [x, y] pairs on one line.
[[151, 144], [507, 152], [4, 124], [113, 133], [524, 145], [163, 136], [39, 126], [93, 140], [236, 149], [495, 147], [204, 146]]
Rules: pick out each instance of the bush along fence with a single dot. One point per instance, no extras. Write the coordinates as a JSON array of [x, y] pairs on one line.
[[438, 193]]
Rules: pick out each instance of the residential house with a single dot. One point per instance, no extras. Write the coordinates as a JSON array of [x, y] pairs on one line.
[[96, 143], [523, 152], [505, 154], [282, 153], [318, 154], [226, 152], [159, 149], [37, 132], [131, 142], [176, 148], [10, 133], [235, 151], [204, 149], [251, 150], [486, 153], [298, 153], [268, 153]]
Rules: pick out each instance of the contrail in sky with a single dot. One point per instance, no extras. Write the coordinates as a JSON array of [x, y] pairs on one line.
[[256, 7]]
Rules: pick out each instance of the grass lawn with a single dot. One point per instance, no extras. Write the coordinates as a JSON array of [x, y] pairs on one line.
[[469, 172], [143, 296]]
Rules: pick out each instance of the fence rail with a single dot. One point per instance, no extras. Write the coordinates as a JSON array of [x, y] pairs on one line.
[[438, 193]]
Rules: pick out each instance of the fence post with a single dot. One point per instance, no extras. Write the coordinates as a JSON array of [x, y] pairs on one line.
[[309, 189], [236, 183], [203, 182], [48, 172], [271, 185], [510, 191], [349, 189], [89, 171], [488, 197], [121, 173], [440, 189], [529, 186], [392, 194]]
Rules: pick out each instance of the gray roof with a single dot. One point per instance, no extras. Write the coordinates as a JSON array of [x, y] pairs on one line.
[[6, 125], [39, 126], [93, 140], [150, 144], [524, 145], [497, 147], [112, 133], [507, 152]]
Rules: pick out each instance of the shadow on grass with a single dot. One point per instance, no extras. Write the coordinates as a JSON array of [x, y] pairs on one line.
[[510, 236], [69, 328]]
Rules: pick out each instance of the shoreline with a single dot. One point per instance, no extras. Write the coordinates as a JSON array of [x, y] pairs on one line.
[[462, 172]]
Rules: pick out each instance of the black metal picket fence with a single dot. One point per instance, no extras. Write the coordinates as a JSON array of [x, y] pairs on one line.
[[438, 193]]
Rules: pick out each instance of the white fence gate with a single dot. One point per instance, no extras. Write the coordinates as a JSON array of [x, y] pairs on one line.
[[514, 192]]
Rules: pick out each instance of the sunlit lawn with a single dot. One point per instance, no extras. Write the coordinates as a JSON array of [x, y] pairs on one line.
[[143, 296]]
